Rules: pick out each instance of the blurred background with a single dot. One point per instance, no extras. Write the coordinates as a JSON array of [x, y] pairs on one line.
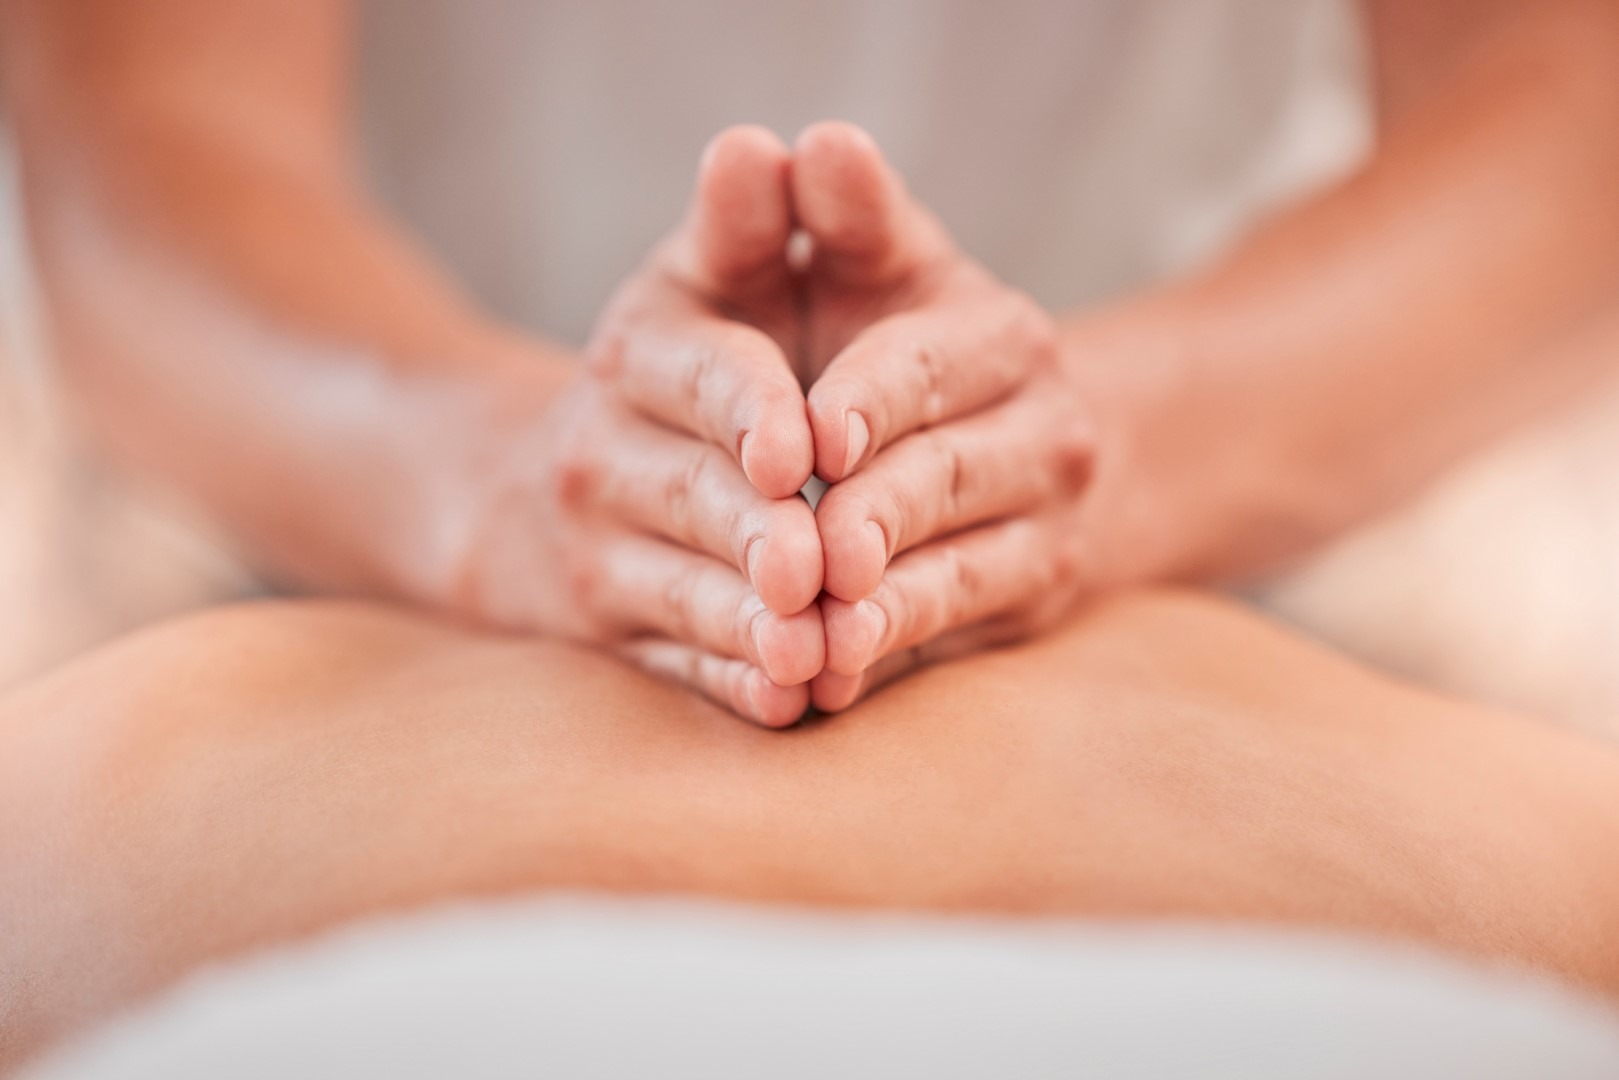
[[1501, 582]]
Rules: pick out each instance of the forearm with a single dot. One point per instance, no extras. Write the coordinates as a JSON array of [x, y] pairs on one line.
[[243, 324], [1356, 343]]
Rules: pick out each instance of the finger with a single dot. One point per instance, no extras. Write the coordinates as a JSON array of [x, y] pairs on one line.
[[920, 368], [648, 585], [1005, 461], [865, 229], [974, 576], [694, 494], [720, 380], [832, 692], [667, 351], [735, 684], [736, 230]]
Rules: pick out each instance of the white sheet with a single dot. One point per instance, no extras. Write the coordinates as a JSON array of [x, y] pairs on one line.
[[593, 988]]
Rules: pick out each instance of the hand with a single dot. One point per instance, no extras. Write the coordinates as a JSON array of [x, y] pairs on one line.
[[955, 443], [655, 508]]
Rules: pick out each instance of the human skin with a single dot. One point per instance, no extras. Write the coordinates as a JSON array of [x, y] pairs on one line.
[[246, 776], [1328, 365]]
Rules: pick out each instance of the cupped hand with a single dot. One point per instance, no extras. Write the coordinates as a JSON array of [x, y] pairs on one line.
[[655, 510], [954, 441]]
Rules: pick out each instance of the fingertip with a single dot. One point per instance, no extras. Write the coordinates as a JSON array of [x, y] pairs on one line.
[[843, 434], [742, 212], [776, 451], [835, 140], [774, 473], [739, 147], [856, 556], [854, 633], [791, 648], [786, 567], [842, 188], [775, 706], [831, 692]]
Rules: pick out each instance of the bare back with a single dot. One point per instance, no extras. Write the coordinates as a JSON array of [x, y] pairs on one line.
[[253, 774]]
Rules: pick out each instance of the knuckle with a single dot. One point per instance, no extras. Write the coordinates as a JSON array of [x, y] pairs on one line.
[[745, 344], [952, 472], [679, 494], [1046, 563], [1067, 567], [927, 369], [732, 361], [702, 361], [966, 586], [583, 581], [666, 660], [1072, 462], [578, 479], [679, 600], [691, 670]]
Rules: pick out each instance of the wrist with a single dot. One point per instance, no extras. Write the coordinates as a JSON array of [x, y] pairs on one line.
[[455, 441], [1203, 472]]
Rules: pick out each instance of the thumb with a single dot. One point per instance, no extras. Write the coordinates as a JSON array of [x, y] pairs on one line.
[[865, 227], [740, 219]]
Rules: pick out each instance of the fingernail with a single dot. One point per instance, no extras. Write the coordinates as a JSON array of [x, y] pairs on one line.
[[755, 546], [879, 540], [873, 616], [856, 438]]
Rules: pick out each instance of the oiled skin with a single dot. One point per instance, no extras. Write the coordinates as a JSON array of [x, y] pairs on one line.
[[252, 774]]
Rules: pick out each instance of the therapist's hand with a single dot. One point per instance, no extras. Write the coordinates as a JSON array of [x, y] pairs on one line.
[[956, 445], [656, 510]]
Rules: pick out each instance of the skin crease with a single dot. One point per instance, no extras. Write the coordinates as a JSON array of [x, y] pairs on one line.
[[248, 775], [1378, 328]]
